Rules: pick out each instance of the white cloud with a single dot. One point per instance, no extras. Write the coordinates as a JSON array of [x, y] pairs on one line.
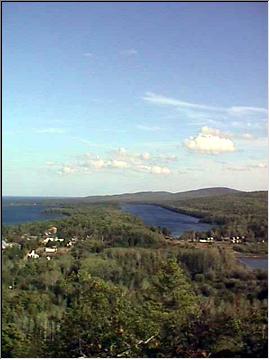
[[234, 110], [160, 170], [145, 156], [122, 151], [118, 164], [260, 165], [120, 159], [67, 170], [170, 158], [157, 170], [135, 158], [210, 141], [163, 100], [98, 163], [215, 132], [243, 137]]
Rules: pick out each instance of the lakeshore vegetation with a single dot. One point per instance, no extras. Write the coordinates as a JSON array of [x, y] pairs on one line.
[[117, 288]]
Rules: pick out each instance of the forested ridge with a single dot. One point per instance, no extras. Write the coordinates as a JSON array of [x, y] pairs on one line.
[[121, 290], [243, 214]]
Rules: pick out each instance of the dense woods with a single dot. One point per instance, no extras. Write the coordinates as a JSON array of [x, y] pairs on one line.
[[243, 214], [122, 291]]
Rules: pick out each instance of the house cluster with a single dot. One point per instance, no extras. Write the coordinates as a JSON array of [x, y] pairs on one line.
[[232, 239], [237, 239], [6, 244], [202, 240], [52, 239], [49, 241], [207, 240], [48, 244]]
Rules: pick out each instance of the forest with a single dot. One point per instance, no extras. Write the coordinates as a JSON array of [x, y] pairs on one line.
[[121, 290], [243, 214]]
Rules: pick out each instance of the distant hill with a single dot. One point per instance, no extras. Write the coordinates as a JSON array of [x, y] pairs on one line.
[[163, 196]]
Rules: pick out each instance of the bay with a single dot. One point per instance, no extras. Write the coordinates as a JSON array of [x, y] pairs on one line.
[[255, 263], [21, 210], [154, 215]]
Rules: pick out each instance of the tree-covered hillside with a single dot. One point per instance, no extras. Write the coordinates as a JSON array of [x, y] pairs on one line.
[[242, 213], [115, 288], [160, 196]]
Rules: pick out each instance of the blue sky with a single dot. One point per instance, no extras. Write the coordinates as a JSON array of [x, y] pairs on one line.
[[103, 98]]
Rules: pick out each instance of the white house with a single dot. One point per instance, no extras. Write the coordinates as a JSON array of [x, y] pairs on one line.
[[45, 241], [50, 250], [33, 255], [4, 244], [53, 239], [208, 240]]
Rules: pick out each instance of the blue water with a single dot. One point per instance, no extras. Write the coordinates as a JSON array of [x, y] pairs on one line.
[[21, 210], [154, 215], [255, 263]]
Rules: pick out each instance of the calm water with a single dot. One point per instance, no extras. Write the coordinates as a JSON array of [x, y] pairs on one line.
[[24, 210], [255, 263], [154, 215]]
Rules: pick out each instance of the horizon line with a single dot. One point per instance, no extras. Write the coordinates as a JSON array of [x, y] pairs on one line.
[[125, 193]]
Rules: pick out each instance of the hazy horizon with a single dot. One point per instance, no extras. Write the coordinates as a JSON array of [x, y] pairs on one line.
[[133, 97], [141, 191]]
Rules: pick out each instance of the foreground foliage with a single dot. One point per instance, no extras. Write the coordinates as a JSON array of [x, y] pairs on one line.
[[121, 291]]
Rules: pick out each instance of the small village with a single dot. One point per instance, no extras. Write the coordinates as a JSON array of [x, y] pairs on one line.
[[50, 245]]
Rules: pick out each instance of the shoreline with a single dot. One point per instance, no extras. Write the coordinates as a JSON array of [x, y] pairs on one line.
[[251, 256]]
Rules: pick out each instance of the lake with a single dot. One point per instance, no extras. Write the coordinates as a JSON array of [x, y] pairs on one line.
[[154, 215], [25, 210], [255, 263]]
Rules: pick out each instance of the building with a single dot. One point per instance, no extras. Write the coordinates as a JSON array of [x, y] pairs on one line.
[[208, 240], [33, 255], [52, 230], [50, 250], [45, 241], [6, 244]]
